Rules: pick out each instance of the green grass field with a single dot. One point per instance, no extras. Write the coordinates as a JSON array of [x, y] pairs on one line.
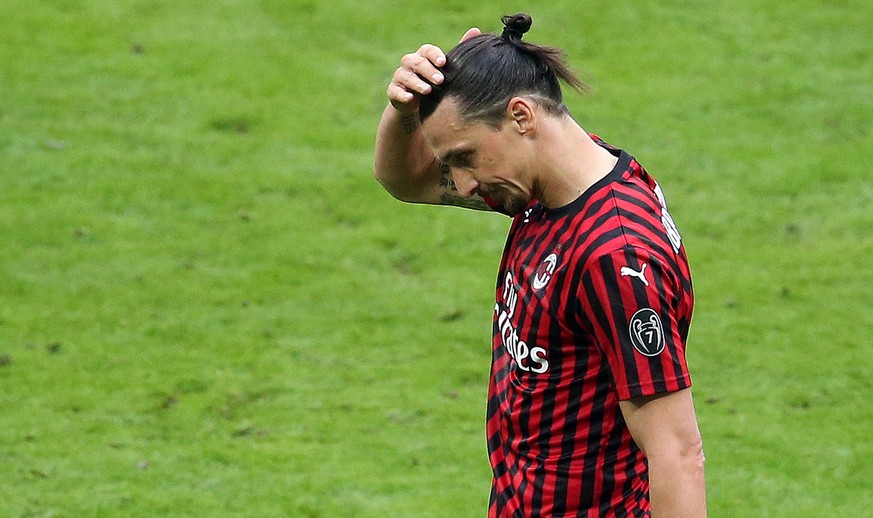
[[209, 308]]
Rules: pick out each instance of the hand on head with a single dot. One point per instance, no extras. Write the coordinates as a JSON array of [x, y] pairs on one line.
[[417, 72]]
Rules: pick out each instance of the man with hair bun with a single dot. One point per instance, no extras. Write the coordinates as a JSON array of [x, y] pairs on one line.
[[589, 402]]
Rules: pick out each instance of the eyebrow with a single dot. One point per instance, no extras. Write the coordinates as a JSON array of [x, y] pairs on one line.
[[455, 154]]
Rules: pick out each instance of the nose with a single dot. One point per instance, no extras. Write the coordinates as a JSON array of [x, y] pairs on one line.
[[465, 183]]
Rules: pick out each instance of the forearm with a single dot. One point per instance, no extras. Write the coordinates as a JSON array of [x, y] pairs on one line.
[[402, 158], [404, 163], [677, 483]]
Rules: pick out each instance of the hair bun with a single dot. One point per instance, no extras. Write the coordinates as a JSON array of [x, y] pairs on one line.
[[516, 25]]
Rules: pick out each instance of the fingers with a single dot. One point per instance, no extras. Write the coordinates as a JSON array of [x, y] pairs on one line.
[[399, 96], [425, 63], [417, 72], [472, 32]]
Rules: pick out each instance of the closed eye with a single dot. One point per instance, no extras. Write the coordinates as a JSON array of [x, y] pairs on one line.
[[459, 158], [463, 159]]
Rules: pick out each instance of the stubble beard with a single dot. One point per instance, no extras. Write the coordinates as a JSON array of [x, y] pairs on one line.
[[511, 203]]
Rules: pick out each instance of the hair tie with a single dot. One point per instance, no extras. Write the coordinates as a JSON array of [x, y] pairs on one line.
[[509, 34]]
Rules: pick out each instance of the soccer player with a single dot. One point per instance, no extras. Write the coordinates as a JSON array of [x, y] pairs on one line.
[[589, 406]]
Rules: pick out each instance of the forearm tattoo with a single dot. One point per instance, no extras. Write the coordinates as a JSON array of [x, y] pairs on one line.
[[446, 181], [410, 123], [460, 201], [450, 197]]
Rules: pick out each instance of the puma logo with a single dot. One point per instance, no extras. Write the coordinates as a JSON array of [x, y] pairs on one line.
[[630, 272]]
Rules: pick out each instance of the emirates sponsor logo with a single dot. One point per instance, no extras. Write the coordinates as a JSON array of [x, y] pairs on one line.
[[527, 358]]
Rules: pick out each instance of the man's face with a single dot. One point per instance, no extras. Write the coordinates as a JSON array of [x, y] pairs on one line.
[[483, 160]]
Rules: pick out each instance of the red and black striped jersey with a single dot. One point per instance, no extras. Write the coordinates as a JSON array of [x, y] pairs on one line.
[[594, 302]]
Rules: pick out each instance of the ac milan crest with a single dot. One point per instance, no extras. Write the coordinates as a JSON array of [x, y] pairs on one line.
[[544, 273]]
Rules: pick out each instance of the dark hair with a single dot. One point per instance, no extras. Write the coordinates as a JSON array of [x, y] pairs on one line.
[[483, 73]]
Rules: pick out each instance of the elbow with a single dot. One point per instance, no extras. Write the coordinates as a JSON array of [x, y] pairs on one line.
[[693, 454], [398, 189], [380, 177], [685, 455], [677, 482], [386, 183], [690, 451]]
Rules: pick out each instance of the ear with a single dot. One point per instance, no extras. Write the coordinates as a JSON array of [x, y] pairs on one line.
[[521, 114]]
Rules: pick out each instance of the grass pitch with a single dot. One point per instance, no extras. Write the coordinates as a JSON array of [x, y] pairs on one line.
[[208, 308]]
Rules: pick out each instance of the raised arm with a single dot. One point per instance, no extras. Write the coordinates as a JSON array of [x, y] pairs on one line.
[[404, 163], [665, 428]]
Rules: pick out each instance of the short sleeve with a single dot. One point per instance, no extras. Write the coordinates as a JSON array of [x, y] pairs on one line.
[[638, 313]]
